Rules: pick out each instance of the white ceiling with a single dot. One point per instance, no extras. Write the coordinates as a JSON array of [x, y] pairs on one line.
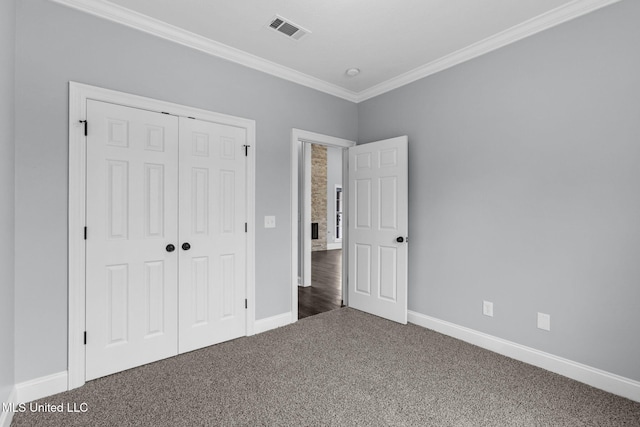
[[392, 42]]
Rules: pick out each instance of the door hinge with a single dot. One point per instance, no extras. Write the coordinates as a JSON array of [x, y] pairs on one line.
[[245, 228], [85, 337], [246, 150], [85, 233], [85, 126], [246, 304]]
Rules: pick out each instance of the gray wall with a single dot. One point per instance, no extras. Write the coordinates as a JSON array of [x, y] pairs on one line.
[[334, 177], [56, 44], [524, 171], [523, 176], [7, 55]]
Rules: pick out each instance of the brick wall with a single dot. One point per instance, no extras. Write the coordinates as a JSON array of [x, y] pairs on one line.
[[319, 195]]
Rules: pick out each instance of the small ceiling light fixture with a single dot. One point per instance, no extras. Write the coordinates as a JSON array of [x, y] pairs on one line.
[[352, 72]]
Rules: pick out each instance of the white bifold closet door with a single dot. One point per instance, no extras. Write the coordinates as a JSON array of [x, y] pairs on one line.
[[165, 246]]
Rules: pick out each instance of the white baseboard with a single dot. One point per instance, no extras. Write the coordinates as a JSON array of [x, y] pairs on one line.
[[273, 322], [598, 378], [7, 416], [301, 284], [41, 387], [332, 246]]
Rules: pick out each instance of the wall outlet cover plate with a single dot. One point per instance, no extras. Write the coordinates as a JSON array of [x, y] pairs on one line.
[[269, 222], [544, 321]]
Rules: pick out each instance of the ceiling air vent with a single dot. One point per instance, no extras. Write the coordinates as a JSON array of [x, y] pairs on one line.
[[288, 28]]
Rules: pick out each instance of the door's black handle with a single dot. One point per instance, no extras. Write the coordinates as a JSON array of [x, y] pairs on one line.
[[170, 248], [186, 246], [400, 239]]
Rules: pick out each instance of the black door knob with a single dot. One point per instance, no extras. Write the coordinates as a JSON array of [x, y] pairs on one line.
[[186, 246], [170, 248], [400, 239]]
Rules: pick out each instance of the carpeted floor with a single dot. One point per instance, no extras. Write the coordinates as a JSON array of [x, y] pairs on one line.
[[339, 368]]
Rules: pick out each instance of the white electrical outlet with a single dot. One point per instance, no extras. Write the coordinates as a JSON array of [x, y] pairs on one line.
[[269, 222], [544, 321], [487, 308]]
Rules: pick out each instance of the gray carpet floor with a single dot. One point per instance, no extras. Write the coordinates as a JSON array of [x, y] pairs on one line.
[[340, 368]]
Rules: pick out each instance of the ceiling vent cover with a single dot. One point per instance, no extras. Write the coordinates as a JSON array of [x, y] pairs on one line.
[[288, 28]]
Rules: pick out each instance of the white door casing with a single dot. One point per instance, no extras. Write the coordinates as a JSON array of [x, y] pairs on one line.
[[212, 222], [378, 220], [307, 189], [132, 171], [300, 138]]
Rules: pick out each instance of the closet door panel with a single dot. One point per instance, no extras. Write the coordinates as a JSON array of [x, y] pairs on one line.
[[212, 233], [132, 215]]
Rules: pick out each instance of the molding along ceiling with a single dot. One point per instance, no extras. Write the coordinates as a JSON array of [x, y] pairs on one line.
[[319, 60]]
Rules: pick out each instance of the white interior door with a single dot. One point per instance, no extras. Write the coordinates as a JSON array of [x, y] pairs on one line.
[[132, 215], [212, 222], [378, 228]]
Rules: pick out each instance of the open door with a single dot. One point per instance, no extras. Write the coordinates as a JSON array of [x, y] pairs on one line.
[[378, 228]]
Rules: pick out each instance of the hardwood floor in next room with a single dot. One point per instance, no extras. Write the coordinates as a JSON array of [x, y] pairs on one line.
[[325, 292]]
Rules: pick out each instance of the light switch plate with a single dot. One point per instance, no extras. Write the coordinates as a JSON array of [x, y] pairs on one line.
[[269, 222], [487, 308]]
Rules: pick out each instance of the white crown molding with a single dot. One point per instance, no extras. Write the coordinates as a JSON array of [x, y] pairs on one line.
[[129, 18], [124, 16], [598, 378], [518, 32]]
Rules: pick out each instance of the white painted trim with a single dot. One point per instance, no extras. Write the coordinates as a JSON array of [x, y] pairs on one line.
[[41, 387], [345, 227], [138, 21], [547, 20], [7, 417], [299, 137], [307, 245], [293, 196], [129, 18], [598, 378], [273, 322], [251, 231], [78, 96], [333, 246]]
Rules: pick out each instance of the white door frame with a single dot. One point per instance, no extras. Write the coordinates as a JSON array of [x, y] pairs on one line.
[[78, 96], [299, 137]]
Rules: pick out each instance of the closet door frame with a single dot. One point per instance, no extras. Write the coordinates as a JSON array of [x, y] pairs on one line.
[[78, 95]]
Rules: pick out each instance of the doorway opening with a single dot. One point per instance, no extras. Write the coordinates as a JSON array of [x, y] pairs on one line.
[[319, 264], [322, 178]]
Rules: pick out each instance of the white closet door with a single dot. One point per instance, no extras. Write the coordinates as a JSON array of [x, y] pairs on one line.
[[212, 223], [132, 215], [378, 225]]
